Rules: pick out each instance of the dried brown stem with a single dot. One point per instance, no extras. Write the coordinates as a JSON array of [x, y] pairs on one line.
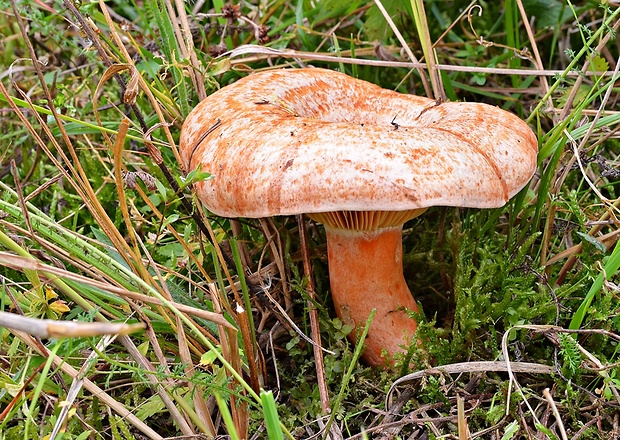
[[314, 318]]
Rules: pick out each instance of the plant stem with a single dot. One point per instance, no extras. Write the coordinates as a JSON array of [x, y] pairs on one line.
[[366, 273]]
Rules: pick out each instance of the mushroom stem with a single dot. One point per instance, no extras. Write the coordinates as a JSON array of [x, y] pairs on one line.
[[366, 273]]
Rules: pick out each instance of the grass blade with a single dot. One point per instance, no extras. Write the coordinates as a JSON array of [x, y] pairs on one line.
[[272, 420]]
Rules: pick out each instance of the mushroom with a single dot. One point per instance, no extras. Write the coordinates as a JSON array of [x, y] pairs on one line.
[[362, 161]]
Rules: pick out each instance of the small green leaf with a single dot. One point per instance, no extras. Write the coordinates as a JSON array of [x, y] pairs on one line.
[[195, 176], [208, 358], [598, 65], [546, 431], [593, 241], [376, 27], [548, 13], [171, 219], [85, 435], [152, 406], [144, 347], [219, 67], [479, 79], [511, 429]]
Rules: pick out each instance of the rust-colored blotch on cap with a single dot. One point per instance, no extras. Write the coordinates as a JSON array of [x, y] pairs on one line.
[[313, 140]]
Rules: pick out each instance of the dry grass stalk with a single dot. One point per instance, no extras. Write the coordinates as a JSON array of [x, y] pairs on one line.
[[51, 328], [314, 318]]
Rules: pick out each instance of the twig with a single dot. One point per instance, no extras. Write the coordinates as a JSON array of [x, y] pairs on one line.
[[262, 53], [461, 421], [586, 426], [469, 367], [314, 318], [556, 413], [51, 328], [511, 376]]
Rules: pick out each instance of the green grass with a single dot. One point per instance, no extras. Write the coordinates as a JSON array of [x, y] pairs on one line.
[[98, 224]]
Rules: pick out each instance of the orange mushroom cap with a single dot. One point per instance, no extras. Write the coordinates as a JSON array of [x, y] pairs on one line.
[[313, 140]]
